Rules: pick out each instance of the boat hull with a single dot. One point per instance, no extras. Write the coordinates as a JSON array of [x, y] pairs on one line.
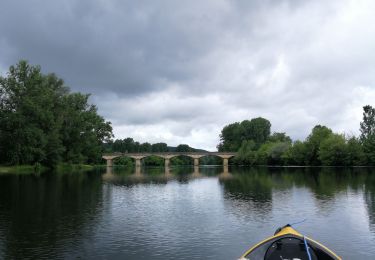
[[287, 243]]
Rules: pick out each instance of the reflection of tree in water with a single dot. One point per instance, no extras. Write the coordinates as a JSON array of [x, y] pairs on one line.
[[257, 184], [325, 183], [331, 181], [252, 185], [41, 215], [369, 195]]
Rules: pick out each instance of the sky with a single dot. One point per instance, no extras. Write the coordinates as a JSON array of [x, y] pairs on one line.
[[179, 71]]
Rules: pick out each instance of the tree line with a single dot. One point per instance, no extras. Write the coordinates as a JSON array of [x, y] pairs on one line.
[[43, 122], [255, 144]]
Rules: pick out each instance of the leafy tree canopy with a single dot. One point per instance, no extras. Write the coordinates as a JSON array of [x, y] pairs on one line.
[[42, 122], [232, 135]]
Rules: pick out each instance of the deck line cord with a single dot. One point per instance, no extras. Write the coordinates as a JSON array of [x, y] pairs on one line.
[[299, 222], [307, 247]]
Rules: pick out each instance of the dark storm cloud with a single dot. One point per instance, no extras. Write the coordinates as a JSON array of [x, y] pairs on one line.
[[178, 71], [122, 46]]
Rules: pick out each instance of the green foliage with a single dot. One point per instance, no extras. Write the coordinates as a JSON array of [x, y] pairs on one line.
[[153, 161], [159, 147], [272, 153], [333, 151], [367, 128], [42, 122], [123, 161], [369, 149], [127, 145], [355, 152], [231, 137], [210, 160], [83, 130], [321, 147], [313, 141], [247, 153], [145, 147], [257, 129], [182, 160], [184, 148], [276, 152], [279, 137], [296, 154]]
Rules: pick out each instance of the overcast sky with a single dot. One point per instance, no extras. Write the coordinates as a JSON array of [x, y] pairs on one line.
[[178, 71]]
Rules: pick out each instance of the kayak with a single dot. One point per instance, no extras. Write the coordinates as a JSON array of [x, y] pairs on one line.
[[288, 244]]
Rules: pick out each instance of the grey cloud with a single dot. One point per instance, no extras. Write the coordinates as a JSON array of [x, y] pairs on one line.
[[179, 71], [122, 46]]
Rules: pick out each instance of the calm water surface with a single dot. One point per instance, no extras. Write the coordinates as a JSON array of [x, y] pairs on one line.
[[183, 213]]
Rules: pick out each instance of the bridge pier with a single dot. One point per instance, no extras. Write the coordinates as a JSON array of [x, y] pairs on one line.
[[137, 162], [109, 163], [225, 162], [138, 171], [196, 162], [109, 160], [166, 163]]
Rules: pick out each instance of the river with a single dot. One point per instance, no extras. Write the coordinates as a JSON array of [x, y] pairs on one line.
[[183, 213]]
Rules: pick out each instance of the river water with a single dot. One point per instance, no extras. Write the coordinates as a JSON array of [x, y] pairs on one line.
[[183, 213]]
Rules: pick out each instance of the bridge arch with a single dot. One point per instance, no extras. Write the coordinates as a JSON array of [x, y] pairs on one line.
[[219, 159]]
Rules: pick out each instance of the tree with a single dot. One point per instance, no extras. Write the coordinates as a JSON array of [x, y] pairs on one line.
[[333, 151], [356, 155], [184, 148], [277, 151], [42, 122], [318, 134], [279, 137], [153, 161], [232, 135], [296, 154], [272, 153], [83, 130], [183, 160], [257, 129], [247, 153], [159, 147], [367, 128], [145, 147], [230, 138], [29, 119]]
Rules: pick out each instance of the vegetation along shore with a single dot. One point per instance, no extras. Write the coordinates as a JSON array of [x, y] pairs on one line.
[[44, 124]]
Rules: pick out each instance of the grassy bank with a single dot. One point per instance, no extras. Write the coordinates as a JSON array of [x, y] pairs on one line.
[[30, 169], [74, 167], [21, 169]]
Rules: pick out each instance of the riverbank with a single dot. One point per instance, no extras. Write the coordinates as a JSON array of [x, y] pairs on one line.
[[30, 169], [20, 169]]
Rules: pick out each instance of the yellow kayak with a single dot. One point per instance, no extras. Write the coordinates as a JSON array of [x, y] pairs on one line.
[[288, 244]]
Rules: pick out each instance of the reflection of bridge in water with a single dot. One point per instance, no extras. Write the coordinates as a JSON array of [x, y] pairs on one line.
[[167, 156], [139, 175]]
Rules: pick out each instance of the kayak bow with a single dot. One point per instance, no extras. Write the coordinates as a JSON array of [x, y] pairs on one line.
[[287, 243]]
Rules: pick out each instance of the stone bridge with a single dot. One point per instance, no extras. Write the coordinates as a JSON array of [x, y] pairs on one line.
[[167, 156]]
